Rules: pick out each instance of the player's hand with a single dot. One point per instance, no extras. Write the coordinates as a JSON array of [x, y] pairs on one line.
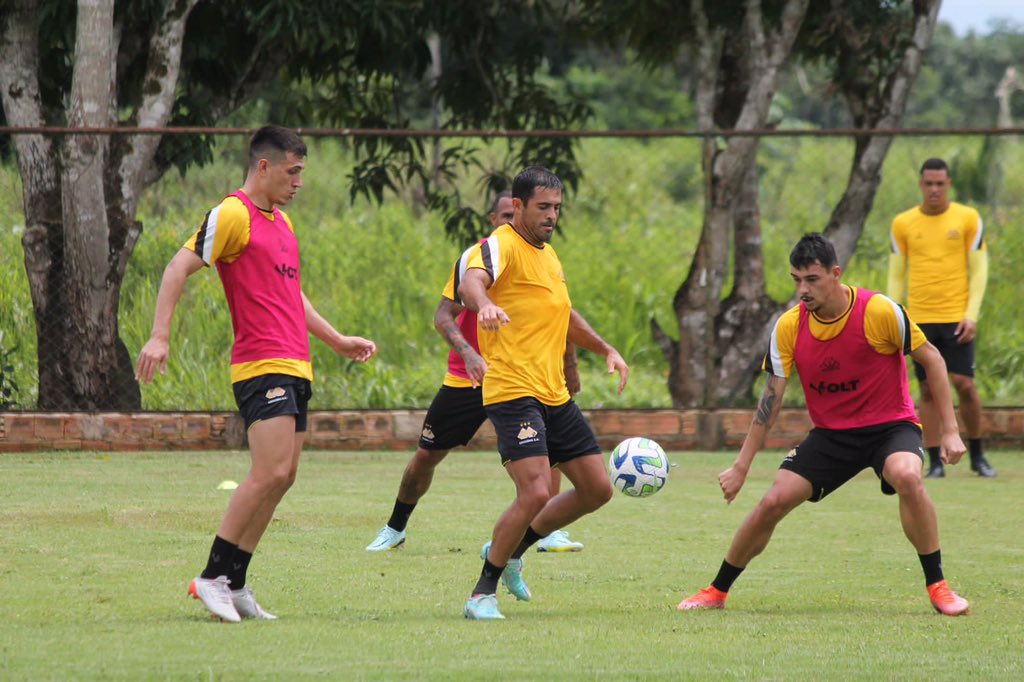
[[731, 481], [491, 318], [356, 348], [476, 368], [966, 331], [951, 448], [152, 357], [617, 364]]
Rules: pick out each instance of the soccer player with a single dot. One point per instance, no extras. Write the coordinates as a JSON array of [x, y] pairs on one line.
[[515, 283], [942, 244], [253, 244], [847, 344], [457, 410]]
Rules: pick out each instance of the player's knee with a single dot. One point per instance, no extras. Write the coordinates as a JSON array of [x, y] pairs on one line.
[[773, 507], [602, 492], [963, 385], [905, 480], [427, 460], [533, 498]]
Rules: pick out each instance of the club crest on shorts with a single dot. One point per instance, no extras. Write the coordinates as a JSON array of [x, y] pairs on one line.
[[526, 432], [275, 394]]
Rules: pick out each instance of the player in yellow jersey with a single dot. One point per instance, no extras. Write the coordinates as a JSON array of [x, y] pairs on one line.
[[515, 283], [457, 411], [940, 247]]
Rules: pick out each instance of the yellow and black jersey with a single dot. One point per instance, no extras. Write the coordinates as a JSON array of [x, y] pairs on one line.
[[936, 252], [886, 327], [224, 232], [525, 357]]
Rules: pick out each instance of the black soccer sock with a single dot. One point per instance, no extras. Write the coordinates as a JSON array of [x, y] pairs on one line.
[[974, 447], [221, 553], [239, 567], [932, 565], [727, 575], [934, 458], [531, 537], [488, 583], [400, 515]]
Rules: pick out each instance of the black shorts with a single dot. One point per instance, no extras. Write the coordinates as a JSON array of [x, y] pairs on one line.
[[959, 357], [273, 395], [453, 418], [527, 427], [829, 458]]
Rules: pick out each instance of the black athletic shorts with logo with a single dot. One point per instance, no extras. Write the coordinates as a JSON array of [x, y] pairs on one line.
[[829, 458], [959, 357], [527, 427], [273, 395], [453, 418]]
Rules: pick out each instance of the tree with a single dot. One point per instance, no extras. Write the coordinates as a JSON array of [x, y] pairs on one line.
[[873, 51], [151, 63]]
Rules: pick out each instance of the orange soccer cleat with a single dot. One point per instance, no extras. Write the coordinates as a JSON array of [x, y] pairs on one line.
[[709, 598], [946, 601]]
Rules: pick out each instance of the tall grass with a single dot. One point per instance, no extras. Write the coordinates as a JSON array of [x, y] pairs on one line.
[[626, 240]]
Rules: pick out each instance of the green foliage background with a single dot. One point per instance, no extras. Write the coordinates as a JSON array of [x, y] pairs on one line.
[[626, 242]]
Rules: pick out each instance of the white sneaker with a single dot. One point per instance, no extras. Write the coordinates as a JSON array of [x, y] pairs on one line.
[[245, 604], [216, 597], [387, 538], [558, 541]]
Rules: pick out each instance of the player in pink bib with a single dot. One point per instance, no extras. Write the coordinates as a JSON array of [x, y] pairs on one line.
[[848, 346], [253, 245]]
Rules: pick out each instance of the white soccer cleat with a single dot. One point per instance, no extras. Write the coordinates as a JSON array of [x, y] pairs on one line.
[[558, 541], [247, 607], [387, 538], [215, 594]]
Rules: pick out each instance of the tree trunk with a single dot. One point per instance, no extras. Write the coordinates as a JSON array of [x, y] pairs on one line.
[[743, 327], [80, 198], [735, 89]]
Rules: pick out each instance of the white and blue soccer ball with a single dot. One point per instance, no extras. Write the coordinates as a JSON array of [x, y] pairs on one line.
[[638, 467]]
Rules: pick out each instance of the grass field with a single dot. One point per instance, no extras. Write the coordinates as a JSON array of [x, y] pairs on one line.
[[97, 550]]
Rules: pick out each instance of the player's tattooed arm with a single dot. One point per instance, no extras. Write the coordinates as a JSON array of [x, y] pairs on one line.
[[445, 322], [771, 401]]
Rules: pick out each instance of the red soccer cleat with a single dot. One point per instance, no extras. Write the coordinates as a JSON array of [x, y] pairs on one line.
[[709, 598], [946, 601]]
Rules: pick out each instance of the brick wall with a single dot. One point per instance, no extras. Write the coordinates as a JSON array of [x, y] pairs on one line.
[[399, 429]]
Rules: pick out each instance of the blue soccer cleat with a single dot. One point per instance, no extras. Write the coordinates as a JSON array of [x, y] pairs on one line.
[[512, 578], [483, 607]]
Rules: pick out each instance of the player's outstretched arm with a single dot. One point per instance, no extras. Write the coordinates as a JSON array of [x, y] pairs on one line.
[[445, 323], [153, 356], [951, 447], [732, 479], [584, 336], [353, 347]]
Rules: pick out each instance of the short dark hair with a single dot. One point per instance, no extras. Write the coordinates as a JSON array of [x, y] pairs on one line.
[[497, 200], [530, 179], [934, 164], [274, 140], [813, 247]]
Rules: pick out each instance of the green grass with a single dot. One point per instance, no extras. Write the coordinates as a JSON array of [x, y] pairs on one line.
[[98, 548]]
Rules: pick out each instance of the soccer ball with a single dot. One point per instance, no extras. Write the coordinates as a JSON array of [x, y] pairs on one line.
[[638, 467]]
